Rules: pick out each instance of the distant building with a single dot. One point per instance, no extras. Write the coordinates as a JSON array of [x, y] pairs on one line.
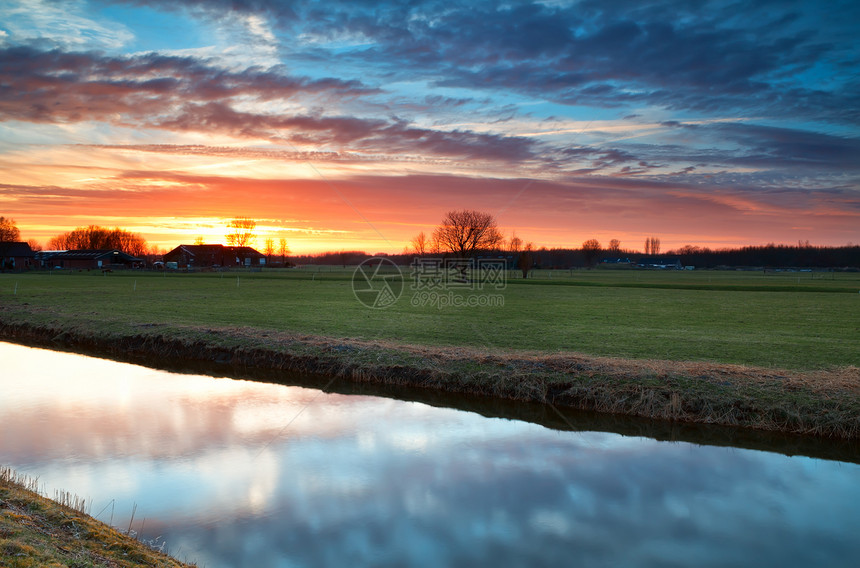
[[16, 255], [89, 259], [214, 256], [658, 262], [615, 261]]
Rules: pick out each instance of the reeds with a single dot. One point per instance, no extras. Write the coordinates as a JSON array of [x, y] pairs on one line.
[[61, 532], [10, 476], [72, 501]]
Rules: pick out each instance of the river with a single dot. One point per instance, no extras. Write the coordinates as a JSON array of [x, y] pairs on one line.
[[238, 473]]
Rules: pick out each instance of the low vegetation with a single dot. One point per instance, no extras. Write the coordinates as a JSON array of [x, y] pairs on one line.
[[771, 351], [41, 533], [802, 321]]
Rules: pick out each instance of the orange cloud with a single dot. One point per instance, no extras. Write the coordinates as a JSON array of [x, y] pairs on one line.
[[381, 213]]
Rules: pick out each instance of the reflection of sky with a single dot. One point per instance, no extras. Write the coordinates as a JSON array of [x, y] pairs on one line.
[[236, 473]]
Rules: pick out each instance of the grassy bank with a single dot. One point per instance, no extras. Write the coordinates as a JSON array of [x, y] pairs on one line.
[[776, 351], [802, 321], [40, 532]]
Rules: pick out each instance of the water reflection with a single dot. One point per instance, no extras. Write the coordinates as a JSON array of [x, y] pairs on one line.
[[236, 473]]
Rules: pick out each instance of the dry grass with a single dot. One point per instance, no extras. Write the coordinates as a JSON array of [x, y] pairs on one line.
[[38, 532]]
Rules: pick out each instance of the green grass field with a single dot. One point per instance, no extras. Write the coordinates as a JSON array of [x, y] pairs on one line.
[[794, 320]]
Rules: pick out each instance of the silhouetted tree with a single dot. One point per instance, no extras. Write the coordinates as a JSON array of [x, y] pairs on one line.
[[344, 257], [466, 232], [591, 251], [283, 250], [515, 244], [95, 237], [241, 232], [526, 259], [269, 249], [420, 244], [9, 232], [615, 245]]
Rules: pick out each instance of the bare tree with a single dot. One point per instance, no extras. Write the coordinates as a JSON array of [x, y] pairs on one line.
[[420, 244], [269, 249], [283, 250], [35, 245], [515, 244], [652, 246], [199, 241], [9, 233], [241, 232], [526, 259], [466, 232], [435, 246], [687, 250], [95, 237], [591, 249], [344, 256], [615, 245]]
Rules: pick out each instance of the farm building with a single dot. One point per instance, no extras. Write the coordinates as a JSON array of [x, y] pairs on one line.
[[214, 256], [16, 255], [659, 262], [618, 261], [88, 259]]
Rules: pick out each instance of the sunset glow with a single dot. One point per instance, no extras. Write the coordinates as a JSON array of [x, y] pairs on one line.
[[337, 125]]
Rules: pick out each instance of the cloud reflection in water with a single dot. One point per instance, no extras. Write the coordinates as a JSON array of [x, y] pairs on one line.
[[238, 473]]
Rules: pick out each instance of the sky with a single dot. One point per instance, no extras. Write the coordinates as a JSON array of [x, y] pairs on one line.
[[354, 125]]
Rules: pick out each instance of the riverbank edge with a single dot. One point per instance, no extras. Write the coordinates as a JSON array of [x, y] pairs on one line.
[[817, 403], [38, 531]]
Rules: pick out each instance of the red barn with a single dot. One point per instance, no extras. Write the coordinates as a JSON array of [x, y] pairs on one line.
[[214, 256], [89, 259], [16, 255]]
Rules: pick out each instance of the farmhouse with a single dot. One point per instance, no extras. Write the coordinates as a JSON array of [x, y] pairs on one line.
[[16, 255], [214, 256], [88, 259]]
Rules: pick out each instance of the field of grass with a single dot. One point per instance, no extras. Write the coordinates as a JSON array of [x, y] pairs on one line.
[[791, 320]]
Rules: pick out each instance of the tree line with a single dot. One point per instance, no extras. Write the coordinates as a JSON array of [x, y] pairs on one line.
[[469, 233], [240, 233], [95, 237], [758, 257], [802, 255]]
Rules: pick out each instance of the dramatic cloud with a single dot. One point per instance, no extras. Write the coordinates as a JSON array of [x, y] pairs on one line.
[[674, 54], [610, 117], [175, 93], [59, 86]]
